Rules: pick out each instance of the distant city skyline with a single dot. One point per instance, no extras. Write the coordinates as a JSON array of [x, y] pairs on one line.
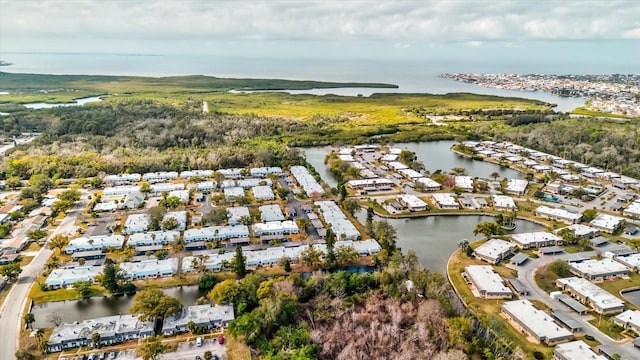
[[329, 29]]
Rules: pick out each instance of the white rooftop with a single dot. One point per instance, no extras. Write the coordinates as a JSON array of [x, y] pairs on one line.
[[534, 237], [428, 182], [464, 182], [580, 229], [599, 267], [631, 260], [558, 213], [412, 201], [445, 199], [504, 202], [234, 192], [577, 350], [606, 221], [486, 280], [630, 316], [537, 321], [517, 185], [592, 292], [494, 248], [307, 181]]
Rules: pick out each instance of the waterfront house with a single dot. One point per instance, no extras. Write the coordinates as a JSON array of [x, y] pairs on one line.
[[308, 182], [486, 282], [629, 319], [494, 250], [501, 202], [413, 203], [583, 290], [445, 201], [534, 323], [429, 184], [536, 239], [60, 278], [517, 186], [566, 216], [341, 226], [206, 317], [464, 182]]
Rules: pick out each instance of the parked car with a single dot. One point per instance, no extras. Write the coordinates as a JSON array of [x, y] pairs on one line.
[[199, 341], [220, 339]]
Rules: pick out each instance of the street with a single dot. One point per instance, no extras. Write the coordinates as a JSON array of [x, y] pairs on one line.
[[11, 312]]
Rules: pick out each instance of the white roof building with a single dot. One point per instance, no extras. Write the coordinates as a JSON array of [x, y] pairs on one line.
[[590, 294], [396, 165], [205, 316], [216, 233], [236, 213], [206, 186], [535, 239], [410, 174], [157, 189], [581, 230], [598, 270], [231, 173], [389, 157], [195, 173], [183, 195], [534, 322], [65, 277], [160, 176], [227, 183], [487, 282], [153, 238], [412, 202], [517, 186], [233, 192], [429, 183], [607, 223], [270, 213], [94, 243], [308, 182], [120, 190], [249, 183], [180, 216], [149, 268], [122, 178], [464, 182], [629, 319], [136, 223], [371, 184], [275, 228], [494, 250], [563, 215], [445, 201], [501, 202], [631, 261], [341, 226], [575, 350], [633, 210], [263, 193]]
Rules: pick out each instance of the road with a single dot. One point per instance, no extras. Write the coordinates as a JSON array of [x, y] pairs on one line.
[[11, 312], [526, 275]]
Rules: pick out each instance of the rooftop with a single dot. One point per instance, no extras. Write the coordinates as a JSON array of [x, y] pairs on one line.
[[577, 350], [494, 248], [596, 295], [486, 280], [536, 321], [599, 267]]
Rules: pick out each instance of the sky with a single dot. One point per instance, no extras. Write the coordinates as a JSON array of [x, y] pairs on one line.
[[446, 29]]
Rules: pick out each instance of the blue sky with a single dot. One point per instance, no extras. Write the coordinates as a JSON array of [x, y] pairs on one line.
[[445, 29]]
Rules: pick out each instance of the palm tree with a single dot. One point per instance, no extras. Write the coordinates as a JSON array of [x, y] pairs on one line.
[[495, 175], [39, 333], [29, 319]]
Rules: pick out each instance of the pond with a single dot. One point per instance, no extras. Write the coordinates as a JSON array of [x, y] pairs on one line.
[[77, 102], [435, 238], [435, 155], [633, 296], [78, 310]]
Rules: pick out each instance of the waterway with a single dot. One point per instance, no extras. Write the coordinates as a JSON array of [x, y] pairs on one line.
[[633, 296], [78, 310], [435, 155], [77, 102]]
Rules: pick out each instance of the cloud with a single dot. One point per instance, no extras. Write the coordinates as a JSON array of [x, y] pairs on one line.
[[397, 22]]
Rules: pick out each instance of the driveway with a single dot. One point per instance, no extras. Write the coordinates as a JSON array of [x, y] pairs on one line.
[[189, 350]]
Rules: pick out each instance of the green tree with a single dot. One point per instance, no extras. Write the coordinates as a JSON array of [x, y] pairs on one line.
[[351, 206], [37, 234], [488, 229], [24, 354], [152, 347], [191, 326], [285, 262], [13, 182], [170, 202], [208, 355], [225, 292], [72, 195], [58, 242], [83, 288], [170, 224], [112, 277], [330, 258], [95, 339], [156, 215], [311, 257], [29, 319], [303, 224], [495, 175], [40, 183], [386, 235], [153, 304], [12, 271], [589, 215], [216, 216], [43, 346], [369, 223], [239, 265], [346, 255], [145, 188], [568, 235]]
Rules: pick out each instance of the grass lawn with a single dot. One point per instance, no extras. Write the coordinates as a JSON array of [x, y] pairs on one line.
[[546, 278], [607, 326], [39, 296], [237, 349], [484, 308], [615, 286], [25, 260]]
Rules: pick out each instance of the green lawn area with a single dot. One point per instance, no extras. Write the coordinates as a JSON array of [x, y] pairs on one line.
[[484, 308], [39, 296], [607, 326]]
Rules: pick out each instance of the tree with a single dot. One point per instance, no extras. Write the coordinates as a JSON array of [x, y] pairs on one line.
[[37, 234], [153, 304], [12, 271], [589, 215], [13, 182], [29, 319], [170, 224], [191, 326], [83, 288], [95, 339], [239, 265], [145, 187], [152, 347], [459, 171], [112, 277], [43, 346], [568, 235], [303, 224], [72, 195], [40, 183], [495, 175], [351, 206], [216, 216], [170, 202], [343, 191], [285, 262], [55, 319], [225, 292], [346, 255], [386, 235], [156, 215], [58, 242], [488, 229], [330, 258], [208, 355], [24, 354], [369, 223], [311, 257]]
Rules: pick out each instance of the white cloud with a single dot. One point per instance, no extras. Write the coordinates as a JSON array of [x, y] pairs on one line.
[[30, 23]]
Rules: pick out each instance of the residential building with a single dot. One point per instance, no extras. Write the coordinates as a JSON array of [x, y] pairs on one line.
[[233, 193], [565, 216], [464, 182], [535, 323], [486, 282], [275, 228], [413, 203], [309, 184], [340, 224], [179, 216], [501, 202], [60, 278], [575, 350], [112, 329], [183, 195], [120, 190], [121, 179], [270, 213], [429, 184], [94, 243], [633, 210], [582, 231], [149, 269], [631, 261], [216, 233], [153, 238], [410, 174], [599, 270], [629, 319], [445, 201], [160, 176], [237, 213], [263, 193], [158, 189], [583, 290], [371, 185], [132, 200], [206, 186], [535, 240], [607, 223], [188, 174], [249, 183], [203, 316], [494, 250], [234, 173], [517, 186]]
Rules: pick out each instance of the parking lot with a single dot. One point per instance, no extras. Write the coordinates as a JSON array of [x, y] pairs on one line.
[[189, 350]]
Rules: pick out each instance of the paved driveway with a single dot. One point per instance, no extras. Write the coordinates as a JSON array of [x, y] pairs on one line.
[[189, 350]]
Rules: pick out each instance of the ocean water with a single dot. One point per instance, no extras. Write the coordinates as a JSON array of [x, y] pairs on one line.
[[411, 76]]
